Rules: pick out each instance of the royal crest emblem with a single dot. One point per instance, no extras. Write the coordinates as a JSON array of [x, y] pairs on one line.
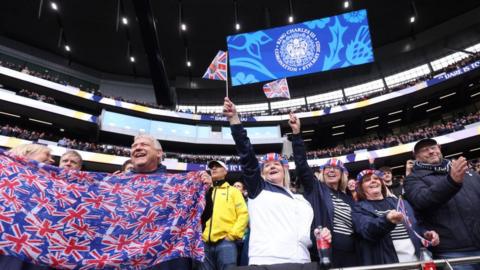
[[297, 49]]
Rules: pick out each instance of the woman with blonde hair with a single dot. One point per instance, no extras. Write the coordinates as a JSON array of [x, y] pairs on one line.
[[33, 151], [279, 220], [38, 153], [332, 207]]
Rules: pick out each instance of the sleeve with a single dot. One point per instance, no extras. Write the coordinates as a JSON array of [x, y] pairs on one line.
[[423, 197], [304, 172], [371, 228], [250, 167], [238, 229]]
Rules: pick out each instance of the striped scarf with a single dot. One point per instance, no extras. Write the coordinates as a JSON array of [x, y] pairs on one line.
[[443, 167]]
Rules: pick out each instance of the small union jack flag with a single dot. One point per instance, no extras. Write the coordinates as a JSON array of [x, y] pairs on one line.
[[217, 70], [406, 220], [277, 89], [86, 220]]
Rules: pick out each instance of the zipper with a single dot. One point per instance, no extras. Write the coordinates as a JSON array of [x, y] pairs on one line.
[[211, 218]]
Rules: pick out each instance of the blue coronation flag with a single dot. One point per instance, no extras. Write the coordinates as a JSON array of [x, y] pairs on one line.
[[314, 46]]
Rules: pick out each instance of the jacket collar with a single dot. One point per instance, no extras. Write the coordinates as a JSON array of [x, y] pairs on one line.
[[160, 169], [220, 184]]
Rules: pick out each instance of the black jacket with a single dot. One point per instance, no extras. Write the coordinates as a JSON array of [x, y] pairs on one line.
[[449, 208], [318, 195], [377, 246]]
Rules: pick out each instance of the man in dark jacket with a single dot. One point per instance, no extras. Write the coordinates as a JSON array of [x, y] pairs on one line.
[[446, 197]]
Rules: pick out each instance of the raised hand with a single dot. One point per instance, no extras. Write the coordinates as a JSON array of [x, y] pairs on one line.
[[206, 178], [409, 167], [294, 123], [458, 169], [230, 111]]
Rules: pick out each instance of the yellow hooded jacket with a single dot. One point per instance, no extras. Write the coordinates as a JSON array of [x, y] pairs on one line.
[[229, 217]]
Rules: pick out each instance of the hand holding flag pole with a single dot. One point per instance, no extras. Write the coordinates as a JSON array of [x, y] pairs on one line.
[[431, 235]]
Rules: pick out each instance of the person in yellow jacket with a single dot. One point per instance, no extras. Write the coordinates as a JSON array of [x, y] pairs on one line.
[[225, 219]]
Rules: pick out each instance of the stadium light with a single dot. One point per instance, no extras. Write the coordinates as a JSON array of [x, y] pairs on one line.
[[290, 19], [183, 26], [124, 20], [67, 48], [339, 126], [189, 64], [412, 19], [346, 4], [433, 109], [54, 6], [237, 26], [132, 59]]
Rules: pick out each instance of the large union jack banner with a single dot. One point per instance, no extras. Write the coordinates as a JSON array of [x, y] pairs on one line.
[[85, 220]]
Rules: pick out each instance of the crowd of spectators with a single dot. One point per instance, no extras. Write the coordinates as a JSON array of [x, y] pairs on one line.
[[342, 149], [36, 96], [304, 108], [94, 147], [44, 74], [17, 132], [202, 159], [394, 140]]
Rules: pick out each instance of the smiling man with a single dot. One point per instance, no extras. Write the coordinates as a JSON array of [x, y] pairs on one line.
[[445, 196], [146, 155]]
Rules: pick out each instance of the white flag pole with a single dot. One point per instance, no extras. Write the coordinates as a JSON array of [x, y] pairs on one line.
[[226, 79]]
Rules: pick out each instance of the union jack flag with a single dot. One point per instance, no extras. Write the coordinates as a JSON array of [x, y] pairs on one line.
[[217, 70], [406, 220], [277, 89], [87, 220]]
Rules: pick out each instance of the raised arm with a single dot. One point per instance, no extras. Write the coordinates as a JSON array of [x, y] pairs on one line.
[[304, 172], [250, 167]]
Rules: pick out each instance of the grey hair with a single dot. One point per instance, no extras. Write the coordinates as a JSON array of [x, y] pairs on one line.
[[73, 153], [156, 143]]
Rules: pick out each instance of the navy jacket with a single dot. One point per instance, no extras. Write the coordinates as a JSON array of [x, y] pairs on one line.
[[318, 195], [376, 246], [450, 209]]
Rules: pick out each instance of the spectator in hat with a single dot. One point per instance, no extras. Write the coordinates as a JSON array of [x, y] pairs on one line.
[[446, 197], [225, 219], [385, 237], [332, 207], [279, 220]]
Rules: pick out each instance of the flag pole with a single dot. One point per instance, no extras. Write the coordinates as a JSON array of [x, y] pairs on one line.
[[226, 79]]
